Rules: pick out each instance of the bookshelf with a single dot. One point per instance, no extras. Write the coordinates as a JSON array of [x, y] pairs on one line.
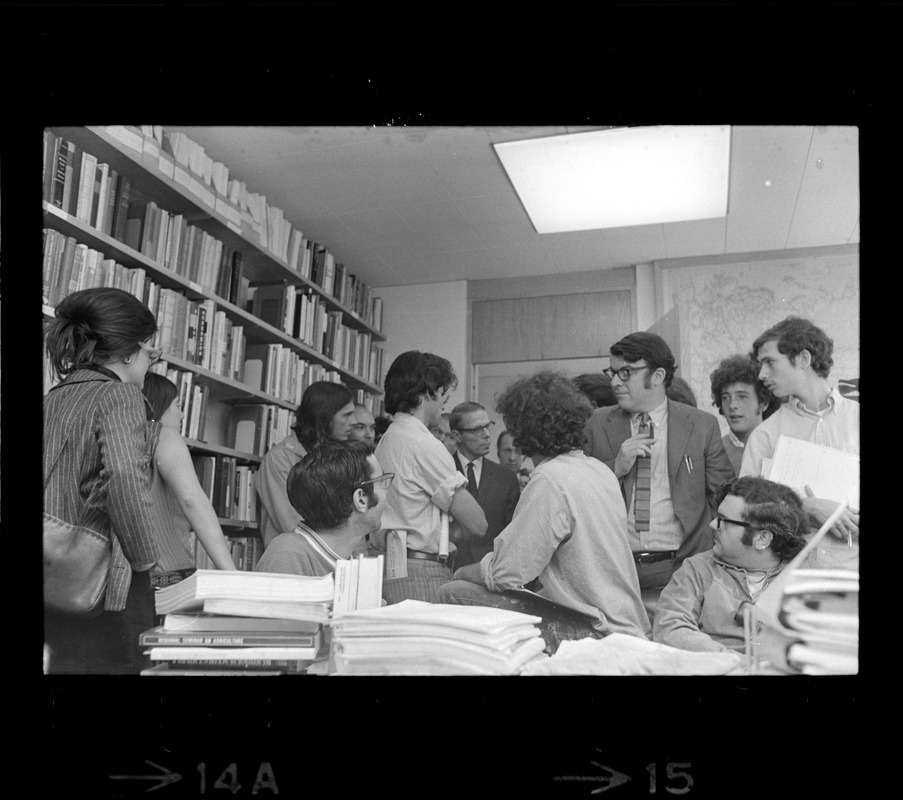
[[203, 294]]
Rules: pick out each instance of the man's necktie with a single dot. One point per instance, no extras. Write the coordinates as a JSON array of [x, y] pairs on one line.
[[471, 479], [643, 489]]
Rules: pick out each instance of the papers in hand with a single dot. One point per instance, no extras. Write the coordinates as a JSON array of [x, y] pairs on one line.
[[830, 473]]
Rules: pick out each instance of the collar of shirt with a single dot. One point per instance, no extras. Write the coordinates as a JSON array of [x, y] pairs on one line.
[[800, 407], [657, 415], [410, 421], [314, 538], [734, 440]]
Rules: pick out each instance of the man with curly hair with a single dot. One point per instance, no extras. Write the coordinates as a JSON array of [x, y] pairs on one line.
[[742, 399], [569, 529], [760, 526], [680, 450], [795, 359]]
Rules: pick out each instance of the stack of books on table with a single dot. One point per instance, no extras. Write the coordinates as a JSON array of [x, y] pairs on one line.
[[219, 622], [806, 621], [820, 612], [417, 638]]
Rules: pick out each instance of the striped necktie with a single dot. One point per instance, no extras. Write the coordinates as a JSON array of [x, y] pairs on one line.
[[643, 489], [471, 479]]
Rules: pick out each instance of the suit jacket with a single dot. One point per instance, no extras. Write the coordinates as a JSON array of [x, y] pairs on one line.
[[497, 495], [692, 433]]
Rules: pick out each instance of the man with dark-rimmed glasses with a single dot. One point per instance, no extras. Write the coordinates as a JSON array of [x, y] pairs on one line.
[[339, 489], [759, 527], [667, 456]]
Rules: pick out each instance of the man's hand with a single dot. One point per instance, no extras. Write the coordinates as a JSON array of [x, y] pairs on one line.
[[640, 445], [469, 572], [819, 509]]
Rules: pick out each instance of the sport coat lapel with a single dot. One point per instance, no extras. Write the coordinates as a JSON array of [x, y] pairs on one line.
[[680, 428]]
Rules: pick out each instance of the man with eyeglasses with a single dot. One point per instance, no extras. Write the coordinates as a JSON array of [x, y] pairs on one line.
[[495, 488], [429, 496], [442, 431], [667, 456], [759, 527], [363, 427], [339, 489]]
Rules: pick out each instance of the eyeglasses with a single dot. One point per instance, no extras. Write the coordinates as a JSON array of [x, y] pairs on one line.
[[385, 478], [719, 519], [153, 353], [623, 373], [479, 429], [360, 426]]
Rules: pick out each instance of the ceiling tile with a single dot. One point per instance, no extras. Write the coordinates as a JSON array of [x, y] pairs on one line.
[[767, 163], [635, 245], [378, 225], [440, 226], [828, 205]]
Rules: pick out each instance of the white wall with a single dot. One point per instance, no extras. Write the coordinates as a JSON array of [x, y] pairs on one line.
[[432, 318]]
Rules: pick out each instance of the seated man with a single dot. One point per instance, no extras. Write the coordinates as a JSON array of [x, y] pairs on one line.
[[760, 526], [569, 529], [340, 491]]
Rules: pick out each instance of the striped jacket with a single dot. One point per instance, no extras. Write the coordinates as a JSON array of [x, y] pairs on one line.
[[102, 478]]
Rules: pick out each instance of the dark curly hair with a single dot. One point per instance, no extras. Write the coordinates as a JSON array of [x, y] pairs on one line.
[[321, 485], [741, 369], [414, 374], [546, 413], [796, 334], [770, 506]]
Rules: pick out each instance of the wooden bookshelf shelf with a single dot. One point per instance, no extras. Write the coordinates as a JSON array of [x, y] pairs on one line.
[[208, 448]]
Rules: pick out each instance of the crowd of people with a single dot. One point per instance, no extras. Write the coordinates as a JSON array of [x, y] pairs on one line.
[[613, 504]]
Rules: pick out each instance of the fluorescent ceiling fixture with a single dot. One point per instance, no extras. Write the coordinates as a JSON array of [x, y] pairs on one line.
[[621, 177]]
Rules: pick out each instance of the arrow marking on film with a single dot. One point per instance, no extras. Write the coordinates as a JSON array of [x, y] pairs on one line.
[[612, 779], [164, 780]]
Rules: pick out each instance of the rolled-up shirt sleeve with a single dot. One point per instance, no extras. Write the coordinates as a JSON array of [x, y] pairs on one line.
[[445, 492]]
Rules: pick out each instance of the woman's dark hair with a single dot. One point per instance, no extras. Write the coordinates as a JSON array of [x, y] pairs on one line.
[[680, 392], [545, 413], [741, 369], [321, 401], [321, 485], [95, 326], [159, 392], [769, 506], [413, 374]]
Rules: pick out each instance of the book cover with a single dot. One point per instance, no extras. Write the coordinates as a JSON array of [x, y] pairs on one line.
[[161, 636], [216, 623], [269, 303], [123, 204]]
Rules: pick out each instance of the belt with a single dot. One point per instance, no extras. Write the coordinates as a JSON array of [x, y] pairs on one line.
[[427, 556], [647, 557]]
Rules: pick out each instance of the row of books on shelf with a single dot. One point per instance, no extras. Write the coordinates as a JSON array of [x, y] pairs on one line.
[[78, 184], [70, 266], [230, 486], [193, 398], [256, 427], [198, 332], [303, 315]]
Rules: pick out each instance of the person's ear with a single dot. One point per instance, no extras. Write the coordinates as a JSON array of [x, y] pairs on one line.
[[804, 359], [762, 539], [359, 500]]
